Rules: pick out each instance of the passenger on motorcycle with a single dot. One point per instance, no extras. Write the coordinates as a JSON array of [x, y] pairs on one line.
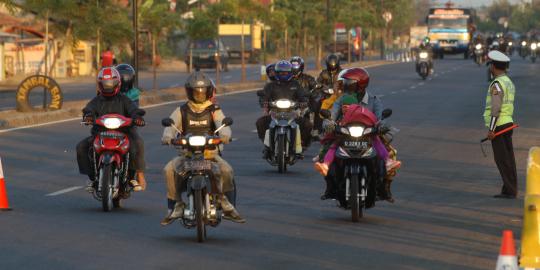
[[198, 116], [110, 102], [127, 75], [284, 88], [271, 72]]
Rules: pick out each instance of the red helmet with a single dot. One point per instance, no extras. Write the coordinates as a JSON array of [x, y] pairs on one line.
[[354, 79], [108, 81]]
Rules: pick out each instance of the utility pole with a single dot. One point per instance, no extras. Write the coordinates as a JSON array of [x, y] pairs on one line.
[[242, 46], [136, 44], [45, 60]]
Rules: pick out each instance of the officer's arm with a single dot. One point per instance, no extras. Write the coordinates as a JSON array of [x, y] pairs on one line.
[[170, 133], [497, 95], [226, 132]]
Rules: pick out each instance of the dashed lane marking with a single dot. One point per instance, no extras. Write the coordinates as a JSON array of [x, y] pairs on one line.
[[66, 190]]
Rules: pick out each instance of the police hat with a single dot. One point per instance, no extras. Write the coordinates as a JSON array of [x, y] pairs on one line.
[[497, 56]]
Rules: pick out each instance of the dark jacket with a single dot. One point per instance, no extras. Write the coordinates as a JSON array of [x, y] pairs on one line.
[[119, 104], [306, 81], [328, 78], [291, 90]]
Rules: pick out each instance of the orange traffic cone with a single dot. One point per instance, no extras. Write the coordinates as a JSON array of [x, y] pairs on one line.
[[4, 206], [507, 256]]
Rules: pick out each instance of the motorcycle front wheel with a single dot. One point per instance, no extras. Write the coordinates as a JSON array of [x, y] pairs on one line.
[[107, 175], [354, 199], [201, 227], [282, 164]]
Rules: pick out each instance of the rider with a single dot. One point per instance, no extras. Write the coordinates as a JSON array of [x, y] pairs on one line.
[[284, 88], [271, 72], [110, 102], [309, 84], [328, 76], [127, 75], [425, 45], [198, 115]]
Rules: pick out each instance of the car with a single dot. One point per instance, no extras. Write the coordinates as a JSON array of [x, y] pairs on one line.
[[203, 54]]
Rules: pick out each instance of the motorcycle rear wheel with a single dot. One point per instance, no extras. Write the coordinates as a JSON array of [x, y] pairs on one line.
[[201, 227], [354, 200], [282, 164], [107, 187]]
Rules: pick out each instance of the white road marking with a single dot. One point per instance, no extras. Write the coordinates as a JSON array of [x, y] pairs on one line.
[[403, 90], [254, 131], [412, 86], [144, 107], [420, 84], [66, 190], [380, 95], [430, 79], [393, 92]]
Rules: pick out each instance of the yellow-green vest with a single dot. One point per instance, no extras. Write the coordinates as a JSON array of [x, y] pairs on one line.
[[507, 109]]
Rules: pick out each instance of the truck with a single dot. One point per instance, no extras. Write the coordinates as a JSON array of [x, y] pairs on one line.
[[341, 43], [449, 30], [231, 35]]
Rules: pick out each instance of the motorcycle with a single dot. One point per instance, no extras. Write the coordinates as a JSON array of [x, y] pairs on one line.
[[479, 54], [356, 159], [534, 46], [510, 49], [422, 64], [110, 153], [201, 186], [283, 135], [319, 97], [523, 50]]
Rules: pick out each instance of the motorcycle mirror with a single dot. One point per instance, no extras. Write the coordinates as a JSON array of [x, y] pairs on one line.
[[260, 93], [325, 114], [167, 122], [386, 113], [227, 121]]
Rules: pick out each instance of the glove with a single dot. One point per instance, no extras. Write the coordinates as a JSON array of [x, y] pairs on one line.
[[139, 122], [328, 125], [88, 119]]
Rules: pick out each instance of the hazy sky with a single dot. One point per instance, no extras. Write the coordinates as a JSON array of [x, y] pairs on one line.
[[468, 3]]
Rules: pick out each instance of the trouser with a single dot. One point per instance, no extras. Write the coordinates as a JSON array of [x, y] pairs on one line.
[[503, 152], [85, 162], [305, 128], [221, 169]]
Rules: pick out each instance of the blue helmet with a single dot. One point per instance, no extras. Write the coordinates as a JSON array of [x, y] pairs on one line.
[[283, 71], [271, 71]]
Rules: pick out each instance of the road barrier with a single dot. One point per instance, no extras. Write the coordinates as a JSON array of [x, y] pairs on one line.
[[507, 255], [530, 234], [4, 205]]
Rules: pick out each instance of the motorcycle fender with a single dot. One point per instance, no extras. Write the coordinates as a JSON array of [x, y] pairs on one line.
[[281, 130], [283, 123], [198, 182], [273, 123], [108, 158]]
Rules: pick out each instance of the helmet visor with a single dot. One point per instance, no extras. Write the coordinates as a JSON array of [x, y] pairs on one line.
[[349, 85], [199, 94], [108, 86]]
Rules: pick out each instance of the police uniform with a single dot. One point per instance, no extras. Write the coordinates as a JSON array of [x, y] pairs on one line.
[[498, 116]]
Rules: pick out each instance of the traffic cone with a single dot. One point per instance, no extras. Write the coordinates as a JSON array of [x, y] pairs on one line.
[[4, 205], [507, 256]]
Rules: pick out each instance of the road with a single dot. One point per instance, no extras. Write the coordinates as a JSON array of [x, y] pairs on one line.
[[444, 216]]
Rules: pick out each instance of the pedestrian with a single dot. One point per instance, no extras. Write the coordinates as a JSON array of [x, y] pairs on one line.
[[497, 117]]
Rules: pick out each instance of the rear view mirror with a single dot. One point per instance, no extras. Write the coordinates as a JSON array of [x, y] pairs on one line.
[[386, 113], [167, 122], [227, 121]]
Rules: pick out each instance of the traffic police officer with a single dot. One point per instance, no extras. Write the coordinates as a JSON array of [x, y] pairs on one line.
[[497, 117]]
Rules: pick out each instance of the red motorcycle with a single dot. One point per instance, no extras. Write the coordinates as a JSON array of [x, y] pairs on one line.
[[111, 160]]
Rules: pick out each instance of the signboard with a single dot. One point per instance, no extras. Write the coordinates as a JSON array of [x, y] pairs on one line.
[[40, 82]]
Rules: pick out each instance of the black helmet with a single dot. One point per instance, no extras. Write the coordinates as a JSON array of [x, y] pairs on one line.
[[332, 62], [271, 71], [297, 65], [127, 75], [199, 87]]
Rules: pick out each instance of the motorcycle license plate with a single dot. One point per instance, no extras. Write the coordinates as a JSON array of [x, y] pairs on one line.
[[198, 165], [356, 144]]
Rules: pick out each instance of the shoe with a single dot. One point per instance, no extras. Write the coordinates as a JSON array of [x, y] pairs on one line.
[[141, 179], [90, 186], [504, 196], [266, 153], [135, 184], [392, 164], [233, 216], [328, 196], [321, 167], [174, 214], [299, 156]]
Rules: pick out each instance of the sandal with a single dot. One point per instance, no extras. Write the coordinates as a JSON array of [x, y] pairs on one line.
[[135, 184]]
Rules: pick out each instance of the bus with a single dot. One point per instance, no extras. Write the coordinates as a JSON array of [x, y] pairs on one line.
[[449, 30]]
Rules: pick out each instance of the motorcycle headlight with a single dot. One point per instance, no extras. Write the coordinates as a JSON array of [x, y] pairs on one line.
[[478, 46], [284, 104], [510, 43], [523, 43], [423, 55], [356, 131], [533, 46], [330, 91], [538, 44], [112, 123], [197, 140]]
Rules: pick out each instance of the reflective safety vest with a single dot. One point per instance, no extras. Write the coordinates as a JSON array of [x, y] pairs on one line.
[[507, 109]]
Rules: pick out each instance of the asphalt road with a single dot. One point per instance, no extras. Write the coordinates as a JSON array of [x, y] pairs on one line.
[[444, 216]]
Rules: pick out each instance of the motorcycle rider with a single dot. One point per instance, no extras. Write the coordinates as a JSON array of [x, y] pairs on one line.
[[271, 72], [310, 86], [284, 88], [127, 75], [198, 116], [328, 76], [109, 101], [425, 45]]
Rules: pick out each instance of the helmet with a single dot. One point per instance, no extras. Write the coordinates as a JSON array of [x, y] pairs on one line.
[[332, 62], [355, 79], [425, 41], [271, 71], [297, 65], [108, 81], [199, 87], [127, 76], [283, 71]]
